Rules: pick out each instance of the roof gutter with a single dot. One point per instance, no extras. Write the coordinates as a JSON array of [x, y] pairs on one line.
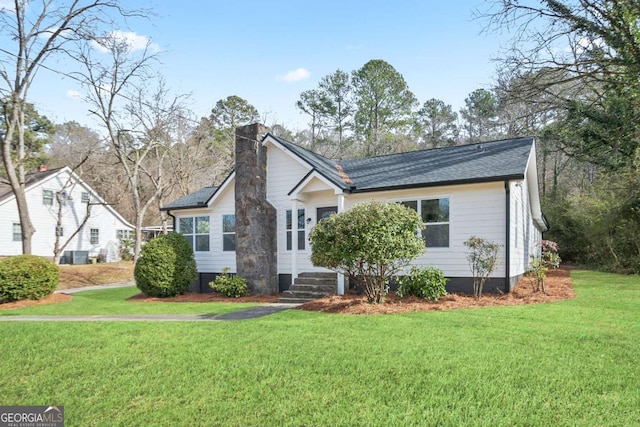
[[507, 245]]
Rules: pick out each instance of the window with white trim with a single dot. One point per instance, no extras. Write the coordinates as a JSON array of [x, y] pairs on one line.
[[94, 236], [299, 226], [435, 217], [47, 197], [85, 197], [17, 232], [124, 234], [196, 231], [229, 233]]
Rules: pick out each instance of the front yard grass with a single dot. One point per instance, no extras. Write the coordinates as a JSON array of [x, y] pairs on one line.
[[570, 363], [114, 301]]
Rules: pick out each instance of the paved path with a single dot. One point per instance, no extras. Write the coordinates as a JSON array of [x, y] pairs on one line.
[[247, 313], [95, 288]]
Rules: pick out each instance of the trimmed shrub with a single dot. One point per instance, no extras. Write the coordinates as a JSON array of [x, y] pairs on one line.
[[428, 283], [230, 286], [370, 243], [166, 266], [27, 277]]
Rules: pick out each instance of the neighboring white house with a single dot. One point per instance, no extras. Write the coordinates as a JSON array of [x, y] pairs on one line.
[[45, 190], [488, 190]]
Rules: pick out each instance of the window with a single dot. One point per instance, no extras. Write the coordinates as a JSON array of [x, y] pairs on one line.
[[94, 236], [84, 197], [59, 231], [47, 197], [196, 230], [124, 234], [17, 232], [228, 233], [435, 216], [299, 226]]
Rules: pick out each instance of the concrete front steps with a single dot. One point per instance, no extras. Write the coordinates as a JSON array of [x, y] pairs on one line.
[[309, 286]]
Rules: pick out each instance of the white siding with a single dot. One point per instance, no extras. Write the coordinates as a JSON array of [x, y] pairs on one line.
[[215, 259], [525, 237], [44, 218], [474, 209]]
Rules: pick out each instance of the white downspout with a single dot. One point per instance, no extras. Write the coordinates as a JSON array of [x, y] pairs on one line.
[[340, 275], [294, 240]]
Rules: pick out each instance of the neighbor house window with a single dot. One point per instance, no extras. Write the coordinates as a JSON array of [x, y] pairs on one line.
[[94, 236], [229, 233], [196, 231], [435, 216], [299, 226], [124, 234], [17, 232], [47, 197]]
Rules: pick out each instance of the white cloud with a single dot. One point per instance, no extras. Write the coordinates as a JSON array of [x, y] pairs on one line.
[[7, 6], [295, 75], [133, 40], [73, 94]]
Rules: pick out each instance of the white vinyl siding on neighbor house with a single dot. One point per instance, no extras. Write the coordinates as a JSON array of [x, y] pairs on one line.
[[44, 218]]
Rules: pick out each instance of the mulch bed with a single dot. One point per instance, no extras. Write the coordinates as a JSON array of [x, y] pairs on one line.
[[558, 286], [51, 299]]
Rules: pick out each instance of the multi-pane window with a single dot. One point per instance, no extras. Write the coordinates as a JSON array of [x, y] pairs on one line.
[[94, 236], [84, 197], [298, 225], [229, 233], [17, 232], [59, 231], [47, 197], [124, 234], [435, 216], [196, 231]]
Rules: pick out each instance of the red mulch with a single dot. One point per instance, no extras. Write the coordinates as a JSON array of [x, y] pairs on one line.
[[51, 299], [558, 287]]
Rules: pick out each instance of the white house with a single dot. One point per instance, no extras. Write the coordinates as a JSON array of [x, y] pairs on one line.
[[488, 190], [60, 192]]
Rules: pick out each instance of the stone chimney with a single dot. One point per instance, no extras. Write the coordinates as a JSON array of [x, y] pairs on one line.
[[256, 240]]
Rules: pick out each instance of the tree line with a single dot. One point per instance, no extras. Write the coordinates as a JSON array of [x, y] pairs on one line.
[[570, 78]]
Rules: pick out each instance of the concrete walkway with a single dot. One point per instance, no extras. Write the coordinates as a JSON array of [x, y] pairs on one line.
[[95, 288], [248, 313]]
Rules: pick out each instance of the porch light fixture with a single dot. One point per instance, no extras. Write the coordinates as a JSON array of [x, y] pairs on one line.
[[308, 220]]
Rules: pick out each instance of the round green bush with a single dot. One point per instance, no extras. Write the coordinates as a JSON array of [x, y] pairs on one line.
[[27, 277], [428, 283], [166, 266]]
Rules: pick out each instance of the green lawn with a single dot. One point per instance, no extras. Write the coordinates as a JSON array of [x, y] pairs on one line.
[[572, 363], [114, 301]]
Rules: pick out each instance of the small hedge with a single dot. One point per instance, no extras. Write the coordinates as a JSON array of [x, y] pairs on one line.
[[230, 286], [27, 277], [166, 266], [428, 283]]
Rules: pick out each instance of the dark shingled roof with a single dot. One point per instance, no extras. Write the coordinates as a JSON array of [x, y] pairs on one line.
[[482, 162], [30, 179], [197, 199]]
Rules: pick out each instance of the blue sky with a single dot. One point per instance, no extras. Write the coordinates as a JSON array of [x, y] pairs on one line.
[[214, 49]]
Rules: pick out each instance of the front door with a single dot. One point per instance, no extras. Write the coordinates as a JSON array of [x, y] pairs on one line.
[[323, 213]]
